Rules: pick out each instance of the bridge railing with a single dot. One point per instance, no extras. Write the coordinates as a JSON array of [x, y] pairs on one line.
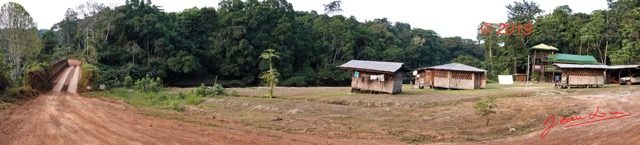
[[57, 68]]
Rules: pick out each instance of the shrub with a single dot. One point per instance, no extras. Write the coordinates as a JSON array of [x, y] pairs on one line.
[[204, 91], [219, 90], [485, 107], [128, 82], [37, 77], [89, 74], [148, 84], [23, 92], [176, 106], [5, 79], [234, 93], [194, 100]]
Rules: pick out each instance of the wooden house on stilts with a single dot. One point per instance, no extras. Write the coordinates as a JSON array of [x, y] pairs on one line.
[[376, 76], [452, 76], [582, 75]]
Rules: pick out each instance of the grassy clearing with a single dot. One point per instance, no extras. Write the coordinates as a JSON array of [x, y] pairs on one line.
[[160, 100], [413, 116]]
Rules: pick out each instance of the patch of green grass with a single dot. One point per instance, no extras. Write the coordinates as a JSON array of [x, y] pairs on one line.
[[159, 100]]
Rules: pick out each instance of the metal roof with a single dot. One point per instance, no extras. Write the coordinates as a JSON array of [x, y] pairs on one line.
[[623, 66], [571, 58], [544, 47], [374, 65], [456, 66], [592, 66]]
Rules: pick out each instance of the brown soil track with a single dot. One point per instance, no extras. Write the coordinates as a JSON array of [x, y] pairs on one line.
[[65, 118]]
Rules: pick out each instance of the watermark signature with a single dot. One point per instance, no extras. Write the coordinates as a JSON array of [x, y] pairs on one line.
[[592, 118], [507, 28]]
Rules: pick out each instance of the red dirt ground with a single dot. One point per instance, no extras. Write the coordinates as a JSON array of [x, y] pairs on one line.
[[66, 118]]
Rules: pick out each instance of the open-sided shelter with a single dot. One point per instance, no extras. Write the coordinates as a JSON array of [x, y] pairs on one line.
[[581, 75], [453, 76], [376, 76]]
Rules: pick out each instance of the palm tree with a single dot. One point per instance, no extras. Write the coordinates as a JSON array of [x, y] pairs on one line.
[[270, 77], [134, 49]]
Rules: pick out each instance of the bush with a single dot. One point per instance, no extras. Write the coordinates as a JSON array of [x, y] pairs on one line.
[[23, 92], [148, 84], [219, 90], [485, 107], [5, 79], [234, 93], [128, 82], [194, 100], [176, 106], [89, 74], [36, 77], [204, 91]]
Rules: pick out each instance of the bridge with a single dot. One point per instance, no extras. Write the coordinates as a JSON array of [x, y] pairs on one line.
[[65, 75]]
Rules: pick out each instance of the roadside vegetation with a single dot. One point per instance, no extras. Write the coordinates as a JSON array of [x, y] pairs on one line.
[[149, 92]]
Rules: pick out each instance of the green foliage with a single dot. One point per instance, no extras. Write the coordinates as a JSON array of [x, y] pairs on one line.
[[183, 63], [21, 93], [36, 76], [176, 106], [468, 60], [485, 107], [295, 81], [234, 93], [90, 74], [148, 84], [193, 100], [128, 82], [204, 91], [160, 100], [5, 79], [270, 77]]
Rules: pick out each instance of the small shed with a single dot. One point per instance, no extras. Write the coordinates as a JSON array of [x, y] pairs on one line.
[[581, 75], [453, 76], [375, 76]]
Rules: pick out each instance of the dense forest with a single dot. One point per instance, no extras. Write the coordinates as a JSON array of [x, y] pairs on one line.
[[139, 38]]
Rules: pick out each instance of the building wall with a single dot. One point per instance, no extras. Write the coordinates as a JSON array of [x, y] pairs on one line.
[[389, 85], [583, 76], [458, 79]]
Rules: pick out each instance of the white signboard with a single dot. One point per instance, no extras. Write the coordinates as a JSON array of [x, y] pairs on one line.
[[505, 79]]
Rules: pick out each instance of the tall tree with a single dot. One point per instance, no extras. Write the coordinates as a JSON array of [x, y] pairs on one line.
[[19, 38], [333, 7]]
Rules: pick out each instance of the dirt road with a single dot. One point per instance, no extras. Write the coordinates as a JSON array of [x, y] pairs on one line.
[[65, 118]]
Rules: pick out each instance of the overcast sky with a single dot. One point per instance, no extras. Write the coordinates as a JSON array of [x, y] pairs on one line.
[[447, 17]]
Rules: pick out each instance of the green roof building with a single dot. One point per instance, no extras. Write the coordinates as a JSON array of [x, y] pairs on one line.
[[572, 59]]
